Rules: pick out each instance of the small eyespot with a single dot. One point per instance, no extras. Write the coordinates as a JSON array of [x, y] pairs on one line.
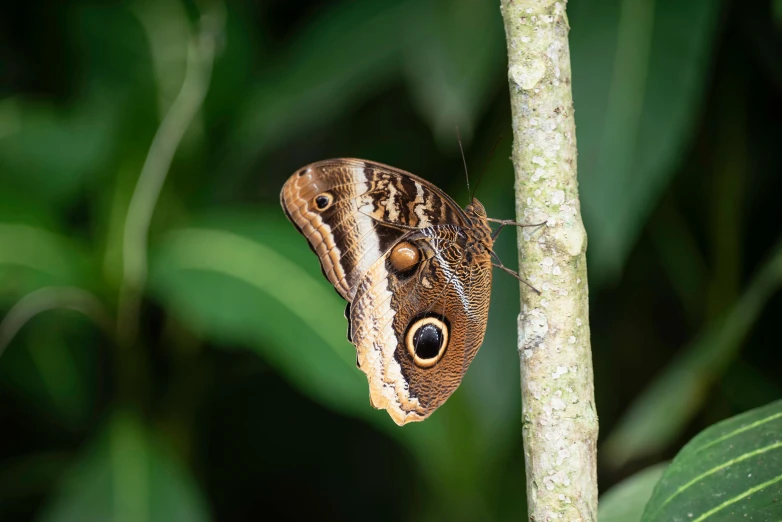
[[324, 201], [404, 256], [302, 172], [427, 340]]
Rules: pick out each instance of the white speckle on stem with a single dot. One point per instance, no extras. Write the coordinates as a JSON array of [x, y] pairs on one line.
[[527, 75], [539, 161], [574, 239], [534, 327], [562, 455]]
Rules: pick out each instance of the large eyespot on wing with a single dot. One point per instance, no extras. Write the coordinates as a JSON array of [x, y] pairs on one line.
[[417, 332], [352, 211], [426, 339]]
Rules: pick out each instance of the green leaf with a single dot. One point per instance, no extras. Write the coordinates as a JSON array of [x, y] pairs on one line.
[[51, 364], [355, 50], [113, 51], [658, 415], [77, 143], [731, 471], [451, 78], [346, 53], [625, 502], [639, 69], [236, 289], [47, 272], [126, 476], [31, 258]]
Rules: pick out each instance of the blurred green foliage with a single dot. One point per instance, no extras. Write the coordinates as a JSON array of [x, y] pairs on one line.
[[626, 501], [213, 381]]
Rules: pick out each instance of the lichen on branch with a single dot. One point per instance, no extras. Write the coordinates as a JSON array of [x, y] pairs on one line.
[[559, 419]]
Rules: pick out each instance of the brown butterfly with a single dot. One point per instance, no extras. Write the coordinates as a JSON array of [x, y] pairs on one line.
[[414, 267]]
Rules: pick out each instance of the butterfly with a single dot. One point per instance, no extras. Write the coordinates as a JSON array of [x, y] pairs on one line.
[[414, 267]]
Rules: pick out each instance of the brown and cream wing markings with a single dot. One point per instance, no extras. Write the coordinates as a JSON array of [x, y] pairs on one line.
[[362, 202], [414, 267], [446, 290]]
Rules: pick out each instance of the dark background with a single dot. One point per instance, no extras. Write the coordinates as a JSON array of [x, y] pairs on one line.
[[237, 397]]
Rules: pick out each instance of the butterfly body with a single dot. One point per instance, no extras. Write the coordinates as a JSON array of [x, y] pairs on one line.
[[415, 268]]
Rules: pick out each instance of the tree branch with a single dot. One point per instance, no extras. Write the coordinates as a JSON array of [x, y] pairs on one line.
[[557, 385]]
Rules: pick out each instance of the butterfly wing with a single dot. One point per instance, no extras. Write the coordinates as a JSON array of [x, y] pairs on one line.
[[352, 211], [416, 328], [417, 331]]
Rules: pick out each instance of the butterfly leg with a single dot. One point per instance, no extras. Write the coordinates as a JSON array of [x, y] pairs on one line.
[[499, 265], [509, 222]]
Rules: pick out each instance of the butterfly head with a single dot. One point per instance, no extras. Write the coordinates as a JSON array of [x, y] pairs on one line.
[[475, 209], [480, 225]]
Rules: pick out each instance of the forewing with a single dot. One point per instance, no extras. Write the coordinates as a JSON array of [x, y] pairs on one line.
[[369, 207]]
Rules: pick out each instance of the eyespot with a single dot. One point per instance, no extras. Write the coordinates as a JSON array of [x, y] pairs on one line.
[[426, 340], [323, 201], [404, 256]]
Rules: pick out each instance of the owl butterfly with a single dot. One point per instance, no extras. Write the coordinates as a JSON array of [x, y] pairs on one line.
[[414, 267]]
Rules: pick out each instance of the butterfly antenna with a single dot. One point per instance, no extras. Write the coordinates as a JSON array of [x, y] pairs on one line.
[[464, 160], [485, 166]]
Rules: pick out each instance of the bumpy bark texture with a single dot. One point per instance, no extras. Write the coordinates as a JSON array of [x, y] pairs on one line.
[[559, 419]]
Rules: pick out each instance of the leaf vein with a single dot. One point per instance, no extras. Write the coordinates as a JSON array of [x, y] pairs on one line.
[[735, 499], [741, 430], [724, 465]]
